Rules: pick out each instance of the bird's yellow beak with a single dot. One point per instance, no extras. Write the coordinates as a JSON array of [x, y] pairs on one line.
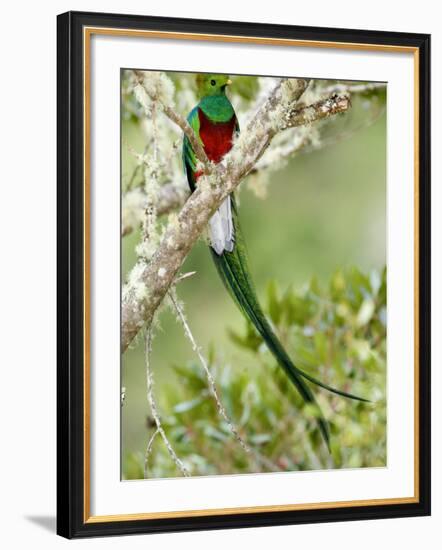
[[228, 82]]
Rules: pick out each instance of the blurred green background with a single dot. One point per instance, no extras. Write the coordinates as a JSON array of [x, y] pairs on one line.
[[325, 213]]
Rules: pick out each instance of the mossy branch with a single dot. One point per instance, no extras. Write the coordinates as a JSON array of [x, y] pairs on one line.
[[172, 195], [155, 276]]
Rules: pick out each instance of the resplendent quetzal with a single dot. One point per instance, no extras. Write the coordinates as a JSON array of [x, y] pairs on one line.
[[215, 124]]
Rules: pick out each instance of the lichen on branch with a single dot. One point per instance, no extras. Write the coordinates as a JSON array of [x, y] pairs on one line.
[[172, 195]]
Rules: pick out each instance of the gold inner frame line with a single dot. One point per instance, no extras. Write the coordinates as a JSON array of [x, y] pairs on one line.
[[87, 33]]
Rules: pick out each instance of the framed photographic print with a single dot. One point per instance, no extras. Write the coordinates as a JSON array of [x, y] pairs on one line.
[[243, 274]]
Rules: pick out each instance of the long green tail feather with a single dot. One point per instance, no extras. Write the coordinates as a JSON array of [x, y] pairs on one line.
[[228, 277], [234, 272]]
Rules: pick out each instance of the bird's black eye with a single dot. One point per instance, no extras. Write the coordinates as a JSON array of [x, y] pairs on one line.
[[213, 82]]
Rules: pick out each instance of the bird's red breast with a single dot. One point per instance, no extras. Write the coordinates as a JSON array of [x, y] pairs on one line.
[[217, 137]]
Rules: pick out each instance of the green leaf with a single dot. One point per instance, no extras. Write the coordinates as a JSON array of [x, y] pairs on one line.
[[260, 439], [185, 406], [365, 312], [320, 340]]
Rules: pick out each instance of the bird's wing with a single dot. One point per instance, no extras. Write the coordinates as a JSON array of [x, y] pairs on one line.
[[190, 160]]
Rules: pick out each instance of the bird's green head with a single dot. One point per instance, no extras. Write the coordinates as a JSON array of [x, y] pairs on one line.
[[212, 84]]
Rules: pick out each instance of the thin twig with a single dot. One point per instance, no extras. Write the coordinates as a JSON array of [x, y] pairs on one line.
[[184, 276], [210, 380], [320, 110], [179, 121], [130, 183], [256, 455], [344, 135], [153, 407], [149, 451]]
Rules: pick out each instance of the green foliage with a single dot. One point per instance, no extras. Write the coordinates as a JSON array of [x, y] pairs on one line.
[[337, 334]]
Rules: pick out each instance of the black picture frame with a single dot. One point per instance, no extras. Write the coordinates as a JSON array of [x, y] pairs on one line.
[[71, 520]]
